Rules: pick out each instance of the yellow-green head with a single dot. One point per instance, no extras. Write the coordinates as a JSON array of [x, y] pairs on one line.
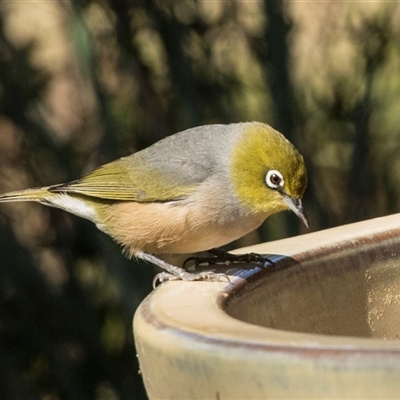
[[268, 173]]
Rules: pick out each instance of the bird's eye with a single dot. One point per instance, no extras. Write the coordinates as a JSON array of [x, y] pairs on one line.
[[274, 179]]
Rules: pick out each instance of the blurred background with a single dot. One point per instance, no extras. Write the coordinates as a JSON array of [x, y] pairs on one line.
[[84, 82]]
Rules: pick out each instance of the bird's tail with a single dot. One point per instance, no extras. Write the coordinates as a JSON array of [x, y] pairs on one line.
[[73, 203], [35, 194]]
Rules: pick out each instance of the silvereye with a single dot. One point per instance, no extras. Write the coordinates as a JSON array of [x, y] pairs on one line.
[[195, 190]]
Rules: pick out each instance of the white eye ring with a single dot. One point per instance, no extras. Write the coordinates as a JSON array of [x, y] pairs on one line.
[[274, 179]]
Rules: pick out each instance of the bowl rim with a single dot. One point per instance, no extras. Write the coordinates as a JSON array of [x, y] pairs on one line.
[[201, 317]]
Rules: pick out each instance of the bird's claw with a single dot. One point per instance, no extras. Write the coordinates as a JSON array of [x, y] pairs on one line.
[[224, 257]]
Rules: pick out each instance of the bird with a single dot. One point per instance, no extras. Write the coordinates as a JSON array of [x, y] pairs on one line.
[[192, 191]]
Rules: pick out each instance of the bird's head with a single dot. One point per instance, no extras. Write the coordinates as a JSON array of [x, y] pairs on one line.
[[268, 173]]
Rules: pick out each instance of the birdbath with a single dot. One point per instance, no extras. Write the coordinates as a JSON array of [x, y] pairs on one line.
[[320, 319]]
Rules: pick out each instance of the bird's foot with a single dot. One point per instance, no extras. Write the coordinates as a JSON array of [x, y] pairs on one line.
[[171, 272], [224, 257], [183, 275]]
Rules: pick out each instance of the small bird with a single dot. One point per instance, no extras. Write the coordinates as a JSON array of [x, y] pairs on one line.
[[192, 191]]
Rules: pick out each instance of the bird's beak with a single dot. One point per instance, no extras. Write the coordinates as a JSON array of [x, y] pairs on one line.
[[297, 207]]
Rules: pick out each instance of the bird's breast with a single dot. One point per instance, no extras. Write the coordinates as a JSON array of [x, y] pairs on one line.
[[177, 227]]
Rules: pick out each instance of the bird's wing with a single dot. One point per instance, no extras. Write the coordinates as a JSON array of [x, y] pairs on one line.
[[131, 179], [168, 170]]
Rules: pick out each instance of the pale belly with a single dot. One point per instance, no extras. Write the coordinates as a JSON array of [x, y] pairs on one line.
[[160, 229]]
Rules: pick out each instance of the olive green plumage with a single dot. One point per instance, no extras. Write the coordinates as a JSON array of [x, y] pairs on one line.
[[197, 189]]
